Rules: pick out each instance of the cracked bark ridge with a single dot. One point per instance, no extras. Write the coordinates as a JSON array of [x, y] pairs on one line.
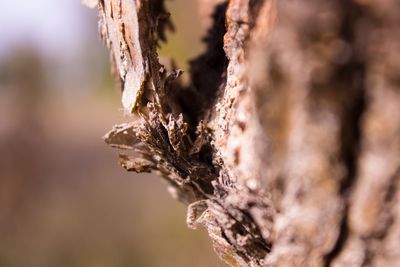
[[286, 144]]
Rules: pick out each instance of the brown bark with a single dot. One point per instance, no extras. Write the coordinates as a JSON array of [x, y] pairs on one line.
[[286, 144]]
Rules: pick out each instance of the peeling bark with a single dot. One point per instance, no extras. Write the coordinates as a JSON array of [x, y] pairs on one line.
[[286, 144]]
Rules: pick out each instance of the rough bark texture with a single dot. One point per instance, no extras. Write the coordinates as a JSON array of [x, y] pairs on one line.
[[286, 145]]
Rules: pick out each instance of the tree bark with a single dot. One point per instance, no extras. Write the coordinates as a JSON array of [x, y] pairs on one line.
[[286, 144]]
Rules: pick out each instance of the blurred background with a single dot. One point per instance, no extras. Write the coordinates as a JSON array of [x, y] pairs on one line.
[[64, 201]]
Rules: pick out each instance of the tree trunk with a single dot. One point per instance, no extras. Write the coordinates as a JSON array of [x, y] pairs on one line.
[[286, 143]]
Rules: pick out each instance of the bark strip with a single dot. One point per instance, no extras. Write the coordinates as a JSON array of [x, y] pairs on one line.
[[286, 144]]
